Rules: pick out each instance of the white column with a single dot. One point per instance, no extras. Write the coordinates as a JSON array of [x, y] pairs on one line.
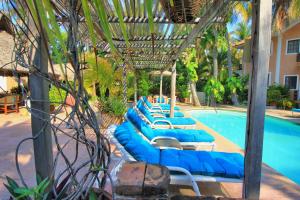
[[278, 59], [173, 90]]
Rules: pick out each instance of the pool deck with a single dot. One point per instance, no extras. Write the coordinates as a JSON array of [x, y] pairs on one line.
[[16, 126], [274, 185]]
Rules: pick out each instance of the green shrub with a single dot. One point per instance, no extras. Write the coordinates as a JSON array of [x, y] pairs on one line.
[[273, 96], [112, 105], [214, 89], [279, 95], [285, 104], [56, 96]]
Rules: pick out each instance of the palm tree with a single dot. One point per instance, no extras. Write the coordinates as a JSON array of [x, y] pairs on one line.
[[210, 44], [191, 62], [242, 31], [99, 74]]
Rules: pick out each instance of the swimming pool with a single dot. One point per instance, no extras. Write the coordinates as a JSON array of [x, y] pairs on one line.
[[281, 138]]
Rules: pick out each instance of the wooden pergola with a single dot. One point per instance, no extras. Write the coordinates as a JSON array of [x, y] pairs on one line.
[[175, 29]]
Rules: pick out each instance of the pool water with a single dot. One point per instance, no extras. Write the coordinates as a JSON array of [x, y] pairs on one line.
[[281, 148]]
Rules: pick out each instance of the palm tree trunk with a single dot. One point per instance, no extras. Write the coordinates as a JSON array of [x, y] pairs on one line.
[[215, 55], [234, 98], [229, 56], [196, 101]]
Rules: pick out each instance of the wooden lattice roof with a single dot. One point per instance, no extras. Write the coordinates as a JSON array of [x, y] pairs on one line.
[[175, 28]]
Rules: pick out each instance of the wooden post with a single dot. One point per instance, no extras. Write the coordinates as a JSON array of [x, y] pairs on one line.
[[135, 89], [173, 90], [260, 52], [161, 87], [40, 118]]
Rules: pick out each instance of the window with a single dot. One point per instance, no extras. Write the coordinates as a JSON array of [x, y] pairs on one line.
[[293, 46], [291, 81]]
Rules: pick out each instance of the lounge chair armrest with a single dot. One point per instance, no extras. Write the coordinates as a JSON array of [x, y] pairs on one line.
[[189, 175], [166, 121], [166, 142]]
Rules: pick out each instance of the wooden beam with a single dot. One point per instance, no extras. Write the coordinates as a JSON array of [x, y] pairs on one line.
[[260, 54], [173, 90], [149, 38], [40, 118], [141, 46]]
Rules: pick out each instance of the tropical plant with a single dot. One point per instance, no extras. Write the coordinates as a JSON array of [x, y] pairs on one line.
[[285, 103], [144, 84], [98, 72], [210, 43], [242, 31], [112, 105], [190, 60], [214, 90], [23, 193], [243, 93], [234, 84], [56, 96], [278, 95]]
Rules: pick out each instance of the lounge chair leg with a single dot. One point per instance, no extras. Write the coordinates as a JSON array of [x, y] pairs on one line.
[[189, 175]]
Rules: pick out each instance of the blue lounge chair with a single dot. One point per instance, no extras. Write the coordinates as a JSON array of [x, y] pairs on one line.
[[186, 166], [162, 107], [295, 110], [191, 139], [165, 122], [159, 112]]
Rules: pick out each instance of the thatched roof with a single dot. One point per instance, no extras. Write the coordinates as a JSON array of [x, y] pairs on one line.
[[6, 48]]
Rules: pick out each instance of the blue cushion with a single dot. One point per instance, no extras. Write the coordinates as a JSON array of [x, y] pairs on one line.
[[187, 135], [135, 145], [162, 100], [229, 165], [146, 112], [167, 107], [176, 114], [140, 124], [176, 121]]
